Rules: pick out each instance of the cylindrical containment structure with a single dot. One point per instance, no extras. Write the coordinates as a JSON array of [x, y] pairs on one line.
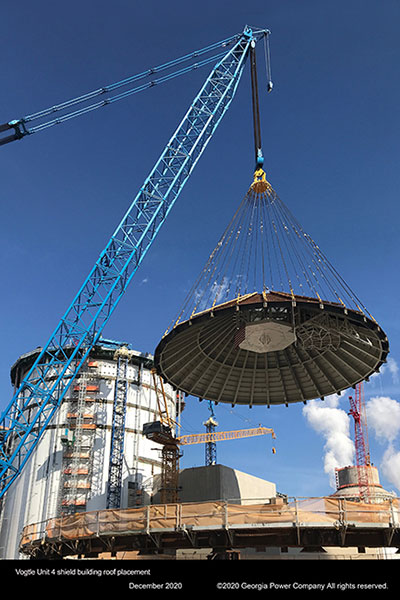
[[92, 455], [348, 484]]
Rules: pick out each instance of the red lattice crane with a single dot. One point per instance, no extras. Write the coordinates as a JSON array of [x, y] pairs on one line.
[[363, 461]]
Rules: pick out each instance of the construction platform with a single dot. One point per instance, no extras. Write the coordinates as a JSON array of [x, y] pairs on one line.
[[220, 526]]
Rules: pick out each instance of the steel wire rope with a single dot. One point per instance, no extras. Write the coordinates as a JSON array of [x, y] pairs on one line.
[[235, 251], [281, 253], [316, 266], [315, 262], [288, 242], [118, 97], [267, 58], [111, 87], [261, 199], [259, 266], [239, 276], [282, 259], [301, 261], [195, 286], [240, 244], [244, 273], [278, 205], [232, 254], [353, 297], [246, 252], [256, 241], [219, 255], [342, 283], [241, 251], [207, 269], [228, 258], [253, 254], [294, 253], [276, 262], [266, 236], [237, 228], [309, 244], [257, 254]]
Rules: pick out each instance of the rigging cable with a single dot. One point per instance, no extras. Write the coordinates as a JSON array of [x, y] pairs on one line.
[[270, 85]]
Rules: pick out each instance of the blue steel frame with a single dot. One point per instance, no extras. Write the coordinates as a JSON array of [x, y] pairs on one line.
[[45, 385]]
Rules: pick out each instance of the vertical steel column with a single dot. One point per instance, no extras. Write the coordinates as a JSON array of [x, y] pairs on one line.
[[118, 430]]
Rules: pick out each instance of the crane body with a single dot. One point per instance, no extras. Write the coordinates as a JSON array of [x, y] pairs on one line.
[[43, 388]]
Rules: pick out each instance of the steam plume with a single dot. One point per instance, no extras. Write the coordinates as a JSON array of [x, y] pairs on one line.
[[333, 424]]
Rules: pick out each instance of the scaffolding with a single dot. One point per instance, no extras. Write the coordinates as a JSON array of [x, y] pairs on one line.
[[78, 444]]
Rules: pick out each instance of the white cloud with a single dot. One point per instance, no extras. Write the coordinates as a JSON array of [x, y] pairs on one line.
[[333, 424], [216, 293], [383, 416], [391, 466], [394, 369]]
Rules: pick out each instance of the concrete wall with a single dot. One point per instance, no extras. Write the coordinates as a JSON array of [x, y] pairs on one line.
[[217, 482]]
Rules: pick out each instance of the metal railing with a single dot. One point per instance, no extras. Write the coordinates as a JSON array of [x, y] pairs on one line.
[[298, 512]]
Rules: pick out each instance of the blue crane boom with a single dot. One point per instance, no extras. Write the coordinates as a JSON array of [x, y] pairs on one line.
[[43, 388]]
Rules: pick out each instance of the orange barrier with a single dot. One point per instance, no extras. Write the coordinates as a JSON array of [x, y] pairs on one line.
[[314, 511]]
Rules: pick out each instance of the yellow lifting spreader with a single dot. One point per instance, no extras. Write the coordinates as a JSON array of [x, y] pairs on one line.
[[260, 183]]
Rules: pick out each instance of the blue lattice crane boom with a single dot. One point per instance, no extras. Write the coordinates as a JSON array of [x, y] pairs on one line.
[[43, 388]]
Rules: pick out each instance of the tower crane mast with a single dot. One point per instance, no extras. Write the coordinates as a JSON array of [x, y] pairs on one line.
[[363, 460], [61, 358], [161, 431], [211, 447]]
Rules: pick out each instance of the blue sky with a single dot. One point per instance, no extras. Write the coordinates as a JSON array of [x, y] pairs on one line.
[[330, 132]]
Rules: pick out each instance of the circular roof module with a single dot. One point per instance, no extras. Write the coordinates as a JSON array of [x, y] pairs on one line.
[[271, 348]]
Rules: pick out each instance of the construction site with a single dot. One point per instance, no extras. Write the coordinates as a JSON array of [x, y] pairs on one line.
[[91, 440]]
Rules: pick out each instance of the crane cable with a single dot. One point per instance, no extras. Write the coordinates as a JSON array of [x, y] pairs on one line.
[[270, 85], [264, 231], [256, 108]]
